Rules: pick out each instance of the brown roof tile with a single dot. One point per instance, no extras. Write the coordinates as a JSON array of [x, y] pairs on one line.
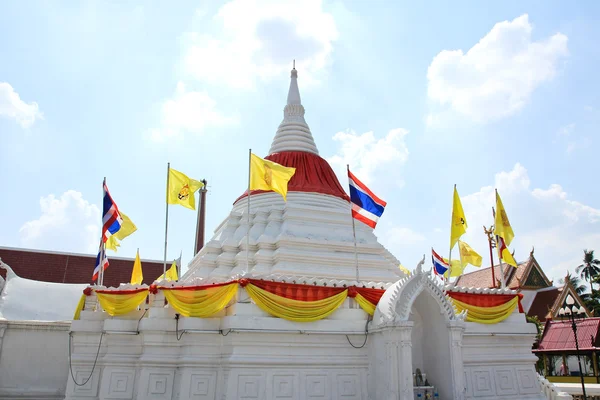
[[543, 302], [57, 267]]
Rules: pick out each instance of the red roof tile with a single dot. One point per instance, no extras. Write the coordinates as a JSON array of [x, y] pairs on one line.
[[558, 335], [57, 267]]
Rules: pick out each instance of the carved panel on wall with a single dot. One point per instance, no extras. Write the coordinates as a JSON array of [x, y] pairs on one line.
[[156, 384], [250, 386], [198, 385], [284, 386], [505, 381], [90, 389], [527, 381], [347, 386], [482, 382], [317, 386], [117, 383]]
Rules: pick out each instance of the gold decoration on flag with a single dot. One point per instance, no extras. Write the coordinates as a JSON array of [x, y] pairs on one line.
[[181, 189], [136, 274], [468, 255], [458, 226], [267, 175]]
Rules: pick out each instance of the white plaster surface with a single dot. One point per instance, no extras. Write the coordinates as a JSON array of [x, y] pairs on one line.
[[25, 299]]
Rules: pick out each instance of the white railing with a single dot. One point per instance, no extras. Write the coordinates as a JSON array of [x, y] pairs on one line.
[[551, 391]]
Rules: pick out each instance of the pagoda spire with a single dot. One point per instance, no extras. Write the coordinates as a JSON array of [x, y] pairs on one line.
[[293, 133]]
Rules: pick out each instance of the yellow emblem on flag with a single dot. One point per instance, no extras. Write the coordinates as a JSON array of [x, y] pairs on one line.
[[267, 175], [468, 255], [181, 189]]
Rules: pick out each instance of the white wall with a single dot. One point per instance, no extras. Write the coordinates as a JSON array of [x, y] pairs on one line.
[[33, 359]]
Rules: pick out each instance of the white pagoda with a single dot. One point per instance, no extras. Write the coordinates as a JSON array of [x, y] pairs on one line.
[[415, 343]]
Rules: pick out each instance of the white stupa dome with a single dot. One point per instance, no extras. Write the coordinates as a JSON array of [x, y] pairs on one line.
[[310, 237]]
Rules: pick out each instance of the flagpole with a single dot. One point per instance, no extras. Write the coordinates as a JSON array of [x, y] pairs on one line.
[[102, 246], [248, 212], [489, 233], [498, 250], [450, 252], [353, 229], [166, 218]]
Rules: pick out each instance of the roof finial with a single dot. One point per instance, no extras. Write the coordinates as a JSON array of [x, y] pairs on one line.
[[294, 65]]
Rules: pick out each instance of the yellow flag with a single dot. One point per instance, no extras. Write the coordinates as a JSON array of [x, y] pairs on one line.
[[468, 255], [171, 274], [505, 254], [136, 275], [502, 226], [127, 228], [112, 243], [456, 268], [404, 269], [267, 175], [181, 189], [458, 225]]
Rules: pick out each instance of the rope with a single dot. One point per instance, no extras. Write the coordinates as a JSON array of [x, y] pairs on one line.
[[93, 367], [366, 335]]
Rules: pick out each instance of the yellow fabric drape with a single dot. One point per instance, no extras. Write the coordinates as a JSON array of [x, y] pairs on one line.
[[487, 315], [295, 310], [201, 303], [365, 304], [120, 304], [80, 306]]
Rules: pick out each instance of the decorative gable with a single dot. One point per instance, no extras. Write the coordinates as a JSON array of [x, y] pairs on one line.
[[535, 279]]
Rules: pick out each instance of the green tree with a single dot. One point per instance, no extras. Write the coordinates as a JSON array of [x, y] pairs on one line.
[[590, 268]]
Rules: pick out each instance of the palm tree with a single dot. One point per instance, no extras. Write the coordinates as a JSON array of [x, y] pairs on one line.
[[577, 285], [590, 267]]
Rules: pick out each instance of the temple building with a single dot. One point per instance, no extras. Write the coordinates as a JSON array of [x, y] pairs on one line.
[[281, 303]]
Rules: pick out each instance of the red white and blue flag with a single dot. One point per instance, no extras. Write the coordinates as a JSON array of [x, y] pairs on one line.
[[111, 218], [101, 262], [439, 265], [366, 207]]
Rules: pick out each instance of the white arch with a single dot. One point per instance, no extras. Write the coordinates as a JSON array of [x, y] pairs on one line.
[[396, 303]]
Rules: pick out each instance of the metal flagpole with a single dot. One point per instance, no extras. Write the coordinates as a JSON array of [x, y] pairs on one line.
[[102, 247], [353, 228], [447, 280], [166, 219], [248, 211], [499, 251]]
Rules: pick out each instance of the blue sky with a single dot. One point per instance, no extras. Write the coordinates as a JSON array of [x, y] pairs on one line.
[[415, 97]]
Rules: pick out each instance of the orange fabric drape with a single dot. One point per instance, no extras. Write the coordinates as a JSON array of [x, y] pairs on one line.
[[485, 300], [296, 291]]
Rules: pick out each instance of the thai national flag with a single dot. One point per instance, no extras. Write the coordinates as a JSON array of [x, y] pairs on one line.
[[111, 218], [366, 207], [439, 265], [101, 261]]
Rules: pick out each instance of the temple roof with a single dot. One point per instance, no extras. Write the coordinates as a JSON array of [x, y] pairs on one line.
[[558, 335]]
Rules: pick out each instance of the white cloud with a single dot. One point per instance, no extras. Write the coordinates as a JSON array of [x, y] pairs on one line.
[[496, 77], [398, 238], [189, 111], [11, 106], [259, 39], [558, 227], [566, 130], [68, 223], [367, 154]]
